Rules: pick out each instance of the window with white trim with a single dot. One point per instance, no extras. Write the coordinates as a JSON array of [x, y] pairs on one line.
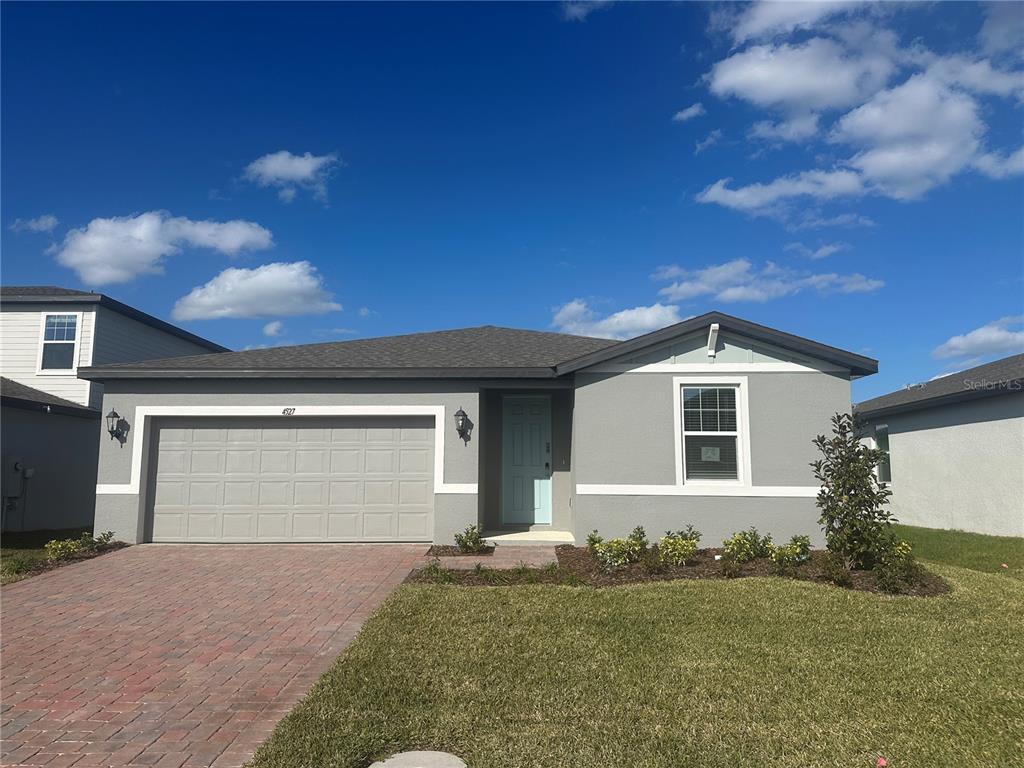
[[710, 433], [60, 332], [882, 443]]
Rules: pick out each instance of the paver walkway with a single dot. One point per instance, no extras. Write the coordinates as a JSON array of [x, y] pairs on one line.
[[505, 556], [178, 655]]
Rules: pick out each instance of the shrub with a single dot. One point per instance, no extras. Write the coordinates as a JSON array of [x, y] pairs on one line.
[[616, 553], [15, 565], [730, 568], [837, 570], [689, 532], [896, 568], [788, 557], [747, 545], [470, 541], [675, 548], [437, 573], [62, 549], [652, 561], [857, 526], [593, 539]]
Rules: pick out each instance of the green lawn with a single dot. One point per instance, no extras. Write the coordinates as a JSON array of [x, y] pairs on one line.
[[752, 672], [19, 551], [970, 550]]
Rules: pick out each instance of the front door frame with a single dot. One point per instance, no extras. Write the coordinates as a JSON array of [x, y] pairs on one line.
[[548, 457]]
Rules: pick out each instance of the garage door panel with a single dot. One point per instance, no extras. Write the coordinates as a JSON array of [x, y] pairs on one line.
[[326, 479]]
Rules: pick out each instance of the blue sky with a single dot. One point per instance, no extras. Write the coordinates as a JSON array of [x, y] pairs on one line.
[[268, 174]]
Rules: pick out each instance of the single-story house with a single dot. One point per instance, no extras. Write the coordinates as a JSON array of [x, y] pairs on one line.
[[528, 433], [955, 449], [51, 420]]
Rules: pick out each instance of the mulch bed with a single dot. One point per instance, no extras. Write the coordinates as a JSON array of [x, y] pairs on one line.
[[577, 566], [449, 550], [42, 566]]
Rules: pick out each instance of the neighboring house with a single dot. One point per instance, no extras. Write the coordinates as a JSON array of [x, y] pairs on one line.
[[709, 421], [51, 425], [956, 449]]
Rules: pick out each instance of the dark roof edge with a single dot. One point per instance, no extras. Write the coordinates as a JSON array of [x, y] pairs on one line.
[[104, 373], [858, 364], [78, 411], [123, 309], [1012, 387]]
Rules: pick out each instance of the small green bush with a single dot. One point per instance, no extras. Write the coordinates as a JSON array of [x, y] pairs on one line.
[[689, 532], [748, 545], [470, 541], [62, 549], [15, 565], [676, 548], [730, 567], [593, 539], [837, 570], [616, 553], [788, 557], [896, 568], [437, 573]]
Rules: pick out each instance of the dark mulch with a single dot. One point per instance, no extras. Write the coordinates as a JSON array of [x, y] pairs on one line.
[[449, 550], [577, 566]]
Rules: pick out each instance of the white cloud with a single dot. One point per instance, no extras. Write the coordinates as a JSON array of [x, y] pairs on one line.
[[45, 223], [273, 328], [764, 198], [795, 129], [1004, 336], [692, 111], [820, 252], [977, 76], [119, 249], [816, 75], [578, 318], [578, 10], [280, 289], [739, 280], [817, 221], [1003, 29], [764, 19], [914, 136], [288, 172], [708, 141], [996, 165], [365, 312]]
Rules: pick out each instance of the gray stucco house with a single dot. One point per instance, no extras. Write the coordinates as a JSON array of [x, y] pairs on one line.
[[709, 421], [956, 449], [50, 427]]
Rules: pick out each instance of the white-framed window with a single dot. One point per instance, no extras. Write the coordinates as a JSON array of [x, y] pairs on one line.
[[884, 470], [58, 351], [712, 443]]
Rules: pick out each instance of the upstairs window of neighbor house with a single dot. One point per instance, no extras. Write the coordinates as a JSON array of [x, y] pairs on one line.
[[882, 443], [710, 433], [60, 334]]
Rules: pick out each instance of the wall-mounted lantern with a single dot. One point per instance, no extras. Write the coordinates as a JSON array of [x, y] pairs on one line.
[[463, 425], [117, 426]]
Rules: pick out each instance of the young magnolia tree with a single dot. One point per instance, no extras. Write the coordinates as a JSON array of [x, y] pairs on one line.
[[853, 515]]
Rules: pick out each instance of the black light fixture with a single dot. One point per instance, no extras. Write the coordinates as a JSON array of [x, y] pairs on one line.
[[116, 426], [463, 425]]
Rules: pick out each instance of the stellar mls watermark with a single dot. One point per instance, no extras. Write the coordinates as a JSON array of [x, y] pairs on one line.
[[1010, 385]]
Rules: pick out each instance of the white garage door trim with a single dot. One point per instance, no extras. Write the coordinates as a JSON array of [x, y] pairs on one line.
[[145, 413]]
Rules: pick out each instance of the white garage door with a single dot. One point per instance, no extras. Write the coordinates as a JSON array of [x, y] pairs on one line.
[[330, 479]]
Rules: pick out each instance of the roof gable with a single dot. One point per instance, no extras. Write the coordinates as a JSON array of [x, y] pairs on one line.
[[688, 339]]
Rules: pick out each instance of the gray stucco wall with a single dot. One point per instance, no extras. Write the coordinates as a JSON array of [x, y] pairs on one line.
[[124, 513], [960, 466], [716, 518], [63, 451], [625, 430]]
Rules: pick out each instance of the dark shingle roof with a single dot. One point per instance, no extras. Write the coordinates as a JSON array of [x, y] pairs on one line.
[[20, 396], [41, 291], [1000, 377], [487, 351], [46, 294]]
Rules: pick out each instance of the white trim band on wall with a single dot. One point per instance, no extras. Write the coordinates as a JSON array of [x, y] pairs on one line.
[[144, 413], [765, 491]]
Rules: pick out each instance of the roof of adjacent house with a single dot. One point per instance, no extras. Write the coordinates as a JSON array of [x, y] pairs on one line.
[[52, 294], [484, 352], [1001, 377], [17, 395]]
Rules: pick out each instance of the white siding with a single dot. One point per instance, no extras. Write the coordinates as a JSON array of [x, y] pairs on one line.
[[20, 333], [120, 339]]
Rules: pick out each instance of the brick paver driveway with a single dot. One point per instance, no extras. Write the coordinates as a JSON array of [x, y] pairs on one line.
[[172, 655]]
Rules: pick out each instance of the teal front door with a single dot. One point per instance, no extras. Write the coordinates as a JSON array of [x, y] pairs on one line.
[[526, 460]]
